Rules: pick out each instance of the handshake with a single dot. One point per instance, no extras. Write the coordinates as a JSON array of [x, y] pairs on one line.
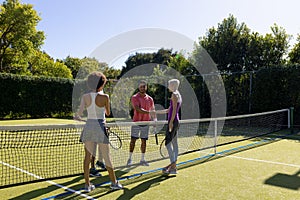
[[154, 112]]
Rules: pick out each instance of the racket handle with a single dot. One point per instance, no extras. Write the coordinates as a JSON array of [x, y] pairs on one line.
[[156, 139]]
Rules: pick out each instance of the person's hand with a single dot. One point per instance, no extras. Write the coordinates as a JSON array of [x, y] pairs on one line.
[[170, 126], [152, 112], [77, 117]]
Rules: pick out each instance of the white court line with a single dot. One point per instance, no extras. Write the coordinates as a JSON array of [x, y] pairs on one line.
[[264, 161], [50, 182]]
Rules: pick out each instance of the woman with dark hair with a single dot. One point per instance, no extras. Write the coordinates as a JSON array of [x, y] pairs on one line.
[[94, 132]]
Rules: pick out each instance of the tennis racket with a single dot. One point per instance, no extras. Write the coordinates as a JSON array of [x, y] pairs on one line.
[[114, 140], [163, 149], [155, 133]]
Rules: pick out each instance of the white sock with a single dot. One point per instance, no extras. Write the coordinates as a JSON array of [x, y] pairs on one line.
[[143, 156], [130, 155]]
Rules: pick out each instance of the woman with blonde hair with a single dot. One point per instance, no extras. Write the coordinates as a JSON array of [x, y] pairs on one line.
[[173, 125]]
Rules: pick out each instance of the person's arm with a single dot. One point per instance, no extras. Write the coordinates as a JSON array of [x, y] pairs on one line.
[[152, 112], [141, 110], [174, 103], [107, 105], [135, 105], [162, 111], [81, 109]]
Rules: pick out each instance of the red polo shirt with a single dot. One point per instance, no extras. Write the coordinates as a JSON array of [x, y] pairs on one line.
[[145, 102]]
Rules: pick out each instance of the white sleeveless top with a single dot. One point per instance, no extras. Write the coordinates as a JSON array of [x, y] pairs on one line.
[[94, 111]]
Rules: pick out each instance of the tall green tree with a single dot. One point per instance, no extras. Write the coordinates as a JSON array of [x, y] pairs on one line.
[[227, 44], [89, 65], [275, 46], [19, 38], [294, 55], [162, 56], [234, 48], [255, 59], [73, 64], [41, 64]]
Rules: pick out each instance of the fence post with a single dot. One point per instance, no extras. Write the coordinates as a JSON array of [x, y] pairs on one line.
[[250, 92], [291, 121], [216, 136]]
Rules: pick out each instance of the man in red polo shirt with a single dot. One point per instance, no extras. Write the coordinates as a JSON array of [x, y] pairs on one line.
[[142, 104]]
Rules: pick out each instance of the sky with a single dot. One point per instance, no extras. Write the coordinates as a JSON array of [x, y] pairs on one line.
[[76, 28]]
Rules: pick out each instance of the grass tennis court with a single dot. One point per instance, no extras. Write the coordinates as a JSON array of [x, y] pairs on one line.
[[263, 168], [270, 170]]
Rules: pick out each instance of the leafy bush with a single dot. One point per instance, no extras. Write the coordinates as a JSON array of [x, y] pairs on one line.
[[28, 96]]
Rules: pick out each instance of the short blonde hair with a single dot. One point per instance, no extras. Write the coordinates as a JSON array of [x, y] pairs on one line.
[[175, 83]]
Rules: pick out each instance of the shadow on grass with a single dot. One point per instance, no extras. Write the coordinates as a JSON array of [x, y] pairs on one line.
[[287, 181], [149, 180], [282, 180], [101, 184], [42, 191], [295, 135], [130, 193]]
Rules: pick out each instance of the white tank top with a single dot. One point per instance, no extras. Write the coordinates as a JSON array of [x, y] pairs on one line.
[[94, 111]]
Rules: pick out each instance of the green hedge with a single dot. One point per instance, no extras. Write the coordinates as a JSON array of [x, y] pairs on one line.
[[277, 88], [32, 97], [264, 90]]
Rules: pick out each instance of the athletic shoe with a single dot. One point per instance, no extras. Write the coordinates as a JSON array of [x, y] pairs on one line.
[[116, 186], [100, 165], [165, 170], [89, 188], [173, 171], [129, 162], [94, 173], [144, 163]]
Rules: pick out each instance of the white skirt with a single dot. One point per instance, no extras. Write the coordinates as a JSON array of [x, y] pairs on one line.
[[94, 131]]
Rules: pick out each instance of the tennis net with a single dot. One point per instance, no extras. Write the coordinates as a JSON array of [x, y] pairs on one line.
[[34, 153]]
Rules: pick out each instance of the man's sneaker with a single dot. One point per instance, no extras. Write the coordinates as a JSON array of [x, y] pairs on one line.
[[116, 186], [173, 171], [144, 163], [129, 162], [94, 173], [100, 165], [89, 188]]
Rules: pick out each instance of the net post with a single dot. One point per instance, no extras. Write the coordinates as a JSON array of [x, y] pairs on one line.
[[215, 138], [291, 119]]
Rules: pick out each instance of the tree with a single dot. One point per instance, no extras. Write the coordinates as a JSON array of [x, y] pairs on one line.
[[162, 56], [275, 46], [268, 50], [234, 48], [41, 64], [73, 64], [227, 44], [294, 55], [255, 58], [19, 38], [89, 65]]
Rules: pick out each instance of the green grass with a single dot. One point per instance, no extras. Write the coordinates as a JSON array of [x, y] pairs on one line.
[[46, 121], [247, 174], [228, 177], [36, 121]]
